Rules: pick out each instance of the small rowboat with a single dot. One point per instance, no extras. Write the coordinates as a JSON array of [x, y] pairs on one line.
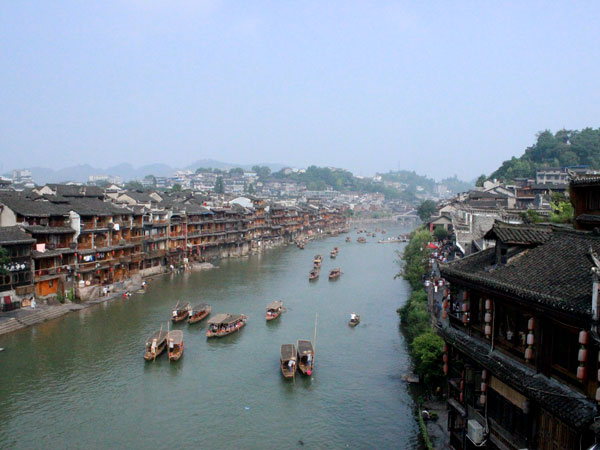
[[317, 261], [175, 344], [306, 357], [180, 312], [348, 239], [354, 320], [361, 239], [335, 273], [313, 275], [224, 324], [274, 310], [155, 345], [198, 312], [288, 360]]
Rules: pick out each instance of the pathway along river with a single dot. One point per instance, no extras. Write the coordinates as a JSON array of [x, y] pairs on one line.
[[81, 382]]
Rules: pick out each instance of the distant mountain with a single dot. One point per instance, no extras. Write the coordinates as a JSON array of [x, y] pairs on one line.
[[81, 173], [212, 164]]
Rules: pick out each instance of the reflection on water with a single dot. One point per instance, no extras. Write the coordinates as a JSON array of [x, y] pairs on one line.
[[80, 381]]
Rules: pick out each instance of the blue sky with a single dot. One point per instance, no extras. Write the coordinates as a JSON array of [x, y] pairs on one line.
[[442, 88]]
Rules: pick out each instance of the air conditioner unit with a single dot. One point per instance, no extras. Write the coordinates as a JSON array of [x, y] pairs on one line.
[[475, 432]]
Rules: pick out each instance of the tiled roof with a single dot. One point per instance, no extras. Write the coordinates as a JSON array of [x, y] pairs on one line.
[[95, 207], [519, 234], [555, 274], [568, 405], [14, 235], [74, 190], [25, 206], [40, 229], [585, 180]]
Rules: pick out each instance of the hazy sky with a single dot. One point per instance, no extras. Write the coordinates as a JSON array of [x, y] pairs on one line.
[[447, 88]]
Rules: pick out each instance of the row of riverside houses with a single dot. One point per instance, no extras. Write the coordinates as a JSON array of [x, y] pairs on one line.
[[520, 325], [60, 236]]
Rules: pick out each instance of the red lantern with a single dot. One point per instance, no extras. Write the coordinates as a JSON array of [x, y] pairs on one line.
[[445, 369], [445, 357], [445, 347], [113, 253], [98, 272], [58, 270], [581, 372]]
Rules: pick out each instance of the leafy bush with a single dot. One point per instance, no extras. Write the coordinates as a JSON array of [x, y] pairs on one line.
[[427, 350]]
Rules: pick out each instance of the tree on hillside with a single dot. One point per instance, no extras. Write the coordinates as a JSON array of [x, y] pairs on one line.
[[561, 149], [176, 187], [426, 209], [134, 185], [480, 180], [219, 186], [251, 189], [236, 171], [261, 171], [203, 170]]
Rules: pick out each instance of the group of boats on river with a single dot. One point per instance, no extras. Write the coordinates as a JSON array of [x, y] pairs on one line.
[[293, 357], [317, 263]]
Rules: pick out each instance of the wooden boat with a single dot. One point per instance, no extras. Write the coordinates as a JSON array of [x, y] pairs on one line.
[[317, 261], [288, 354], [306, 357], [175, 344], [180, 312], [332, 254], [348, 239], [314, 274], [198, 312], [274, 309], [155, 345], [335, 273], [224, 324], [301, 245], [354, 320], [388, 240], [361, 239]]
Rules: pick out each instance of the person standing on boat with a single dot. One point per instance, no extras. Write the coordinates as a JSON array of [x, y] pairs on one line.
[[352, 316], [309, 360], [291, 365]]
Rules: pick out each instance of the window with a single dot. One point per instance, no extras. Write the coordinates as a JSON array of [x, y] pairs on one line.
[[506, 414], [565, 346]]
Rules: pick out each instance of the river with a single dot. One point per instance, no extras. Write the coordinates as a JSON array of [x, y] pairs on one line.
[[80, 381]]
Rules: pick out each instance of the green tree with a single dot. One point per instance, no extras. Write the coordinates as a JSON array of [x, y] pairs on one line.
[[427, 350], [261, 171], [134, 185], [426, 209], [219, 186], [440, 233], [416, 258], [251, 189], [479, 183], [236, 171], [4, 260], [203, 170], [176, 187]]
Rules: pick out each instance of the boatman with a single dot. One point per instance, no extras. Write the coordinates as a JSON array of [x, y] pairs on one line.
[[174, 313], [352, 316], [153, 347], [291, 365]]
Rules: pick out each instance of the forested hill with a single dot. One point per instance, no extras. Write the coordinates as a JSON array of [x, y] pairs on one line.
[[561, 149]]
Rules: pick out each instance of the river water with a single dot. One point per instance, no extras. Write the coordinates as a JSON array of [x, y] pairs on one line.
[[80, 381]]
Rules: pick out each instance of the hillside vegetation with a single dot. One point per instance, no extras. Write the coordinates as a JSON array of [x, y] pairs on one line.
[[561, 149]]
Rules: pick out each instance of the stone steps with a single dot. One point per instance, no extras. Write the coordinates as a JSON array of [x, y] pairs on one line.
[[9, 325], [43, 315]]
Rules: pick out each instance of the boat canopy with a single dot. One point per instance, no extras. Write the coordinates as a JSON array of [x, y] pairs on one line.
[[176, 336], [200, 307], [288, 351], [158, 335], [225, 319], [179, 307], [274, 305], [305, 347]]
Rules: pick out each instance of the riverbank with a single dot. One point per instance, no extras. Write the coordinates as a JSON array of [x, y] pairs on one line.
[[424, 345], [25, 317]]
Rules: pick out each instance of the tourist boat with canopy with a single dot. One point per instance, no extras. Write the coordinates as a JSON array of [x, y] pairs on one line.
[[317, 261], [361, 239], [306, 357], [198, 312], [288, 360], [224, 324], [175, 344], [155, 345], [180, 312], [274, 310], [348, 239], [335, 273], [313, 275], [354, 319]]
